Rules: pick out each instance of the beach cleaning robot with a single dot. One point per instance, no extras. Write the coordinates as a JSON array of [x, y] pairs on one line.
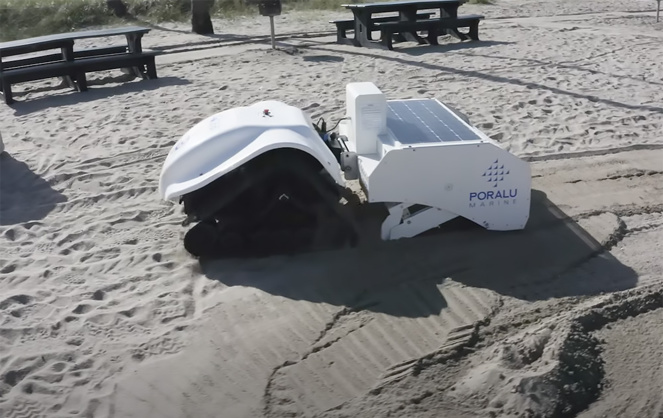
[[264, 179]]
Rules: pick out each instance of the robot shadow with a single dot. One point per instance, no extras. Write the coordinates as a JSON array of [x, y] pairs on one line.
[[552, 257]]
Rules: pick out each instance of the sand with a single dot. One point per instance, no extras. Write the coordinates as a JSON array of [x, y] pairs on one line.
[[104, 314]]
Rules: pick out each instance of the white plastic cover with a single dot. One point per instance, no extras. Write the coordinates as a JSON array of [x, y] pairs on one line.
[[228, 139]]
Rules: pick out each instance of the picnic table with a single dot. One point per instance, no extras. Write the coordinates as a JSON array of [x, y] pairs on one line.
[[405, 25], [70, 63]]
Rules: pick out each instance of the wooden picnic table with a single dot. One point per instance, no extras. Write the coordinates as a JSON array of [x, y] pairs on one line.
[[446, 6], [65, 42], [405, 24], [69, 62]]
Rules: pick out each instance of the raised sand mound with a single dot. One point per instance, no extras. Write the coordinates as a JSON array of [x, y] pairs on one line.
[[555, 368]]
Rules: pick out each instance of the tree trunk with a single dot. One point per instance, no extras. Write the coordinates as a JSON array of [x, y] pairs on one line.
[[118, 7], [201, 20]]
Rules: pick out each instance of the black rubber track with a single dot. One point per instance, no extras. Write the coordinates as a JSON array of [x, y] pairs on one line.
[[297, 211]]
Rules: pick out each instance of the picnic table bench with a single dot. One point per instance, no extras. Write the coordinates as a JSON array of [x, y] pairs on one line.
[[408, 22], [344, 25], [70, 64]]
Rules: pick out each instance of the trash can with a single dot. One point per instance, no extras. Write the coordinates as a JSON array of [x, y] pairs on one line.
[[269, 7]]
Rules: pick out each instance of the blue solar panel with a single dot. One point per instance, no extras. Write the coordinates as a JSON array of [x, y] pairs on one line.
[[425, 121]]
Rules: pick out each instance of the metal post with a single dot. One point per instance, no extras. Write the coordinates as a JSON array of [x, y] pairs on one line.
[[270, 8], [658, 8]]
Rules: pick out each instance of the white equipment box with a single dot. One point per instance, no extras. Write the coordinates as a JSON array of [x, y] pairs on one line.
[[429, 166]]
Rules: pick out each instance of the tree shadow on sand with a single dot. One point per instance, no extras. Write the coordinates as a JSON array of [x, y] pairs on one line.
[[24, 196], [322, 58], [552, 257], [484, 75]]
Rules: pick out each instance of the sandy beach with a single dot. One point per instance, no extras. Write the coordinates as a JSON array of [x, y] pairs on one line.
[[104, 314]]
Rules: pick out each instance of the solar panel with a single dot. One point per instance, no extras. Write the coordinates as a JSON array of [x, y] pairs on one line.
[[425, 121]]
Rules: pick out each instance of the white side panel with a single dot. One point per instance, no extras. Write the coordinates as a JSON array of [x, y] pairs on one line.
[[478, 181]]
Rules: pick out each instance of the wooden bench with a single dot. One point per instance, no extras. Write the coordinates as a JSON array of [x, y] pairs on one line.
[[71, 64], [32, 73], [144, 62], [433, 27], [344, 25], [82, 53], [77, 70]]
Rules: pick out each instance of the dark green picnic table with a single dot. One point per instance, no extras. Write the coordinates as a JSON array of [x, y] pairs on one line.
[[34, 67], [407, 23]]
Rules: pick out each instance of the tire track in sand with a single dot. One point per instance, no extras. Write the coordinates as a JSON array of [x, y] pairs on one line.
[[351, 356]]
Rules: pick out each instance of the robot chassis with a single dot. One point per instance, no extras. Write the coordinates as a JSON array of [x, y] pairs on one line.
[[264, 179]]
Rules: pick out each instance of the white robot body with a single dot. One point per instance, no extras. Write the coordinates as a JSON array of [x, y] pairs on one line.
[[419, 157]]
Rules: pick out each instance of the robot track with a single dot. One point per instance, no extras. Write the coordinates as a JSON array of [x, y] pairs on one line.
[[281, 202]]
